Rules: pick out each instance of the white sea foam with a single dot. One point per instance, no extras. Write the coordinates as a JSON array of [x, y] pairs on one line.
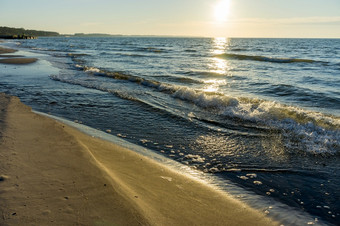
[[257, 182], [195, 158], [313, 132], [91, 69], [305, 130], [78, 66], [251, 175], [243, 177], [284, 213]]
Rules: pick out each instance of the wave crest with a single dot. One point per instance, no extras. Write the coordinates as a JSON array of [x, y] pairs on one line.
[[264, 58], [309, 131]]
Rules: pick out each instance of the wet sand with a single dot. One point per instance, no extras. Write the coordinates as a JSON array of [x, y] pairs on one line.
[[6, 50], [18, 60], [52, 174], [14, 59]]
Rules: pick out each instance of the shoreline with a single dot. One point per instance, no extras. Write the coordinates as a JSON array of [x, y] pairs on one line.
[[147, 193], [5, 58], [27, 81]]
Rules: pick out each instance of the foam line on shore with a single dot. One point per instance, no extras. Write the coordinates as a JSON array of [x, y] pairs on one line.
[[179, 201], [275, 210]]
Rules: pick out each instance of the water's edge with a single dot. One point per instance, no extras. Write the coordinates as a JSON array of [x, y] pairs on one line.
[[277, 211]]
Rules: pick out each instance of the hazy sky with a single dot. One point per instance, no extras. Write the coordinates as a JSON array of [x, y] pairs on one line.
[[212, 18]]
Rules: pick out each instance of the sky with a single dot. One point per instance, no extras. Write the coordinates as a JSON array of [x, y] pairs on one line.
[[205, 18]]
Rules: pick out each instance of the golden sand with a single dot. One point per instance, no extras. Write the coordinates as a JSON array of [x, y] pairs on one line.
[[52, 174]]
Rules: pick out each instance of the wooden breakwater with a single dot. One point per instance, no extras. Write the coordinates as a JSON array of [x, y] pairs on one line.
[[17, 37]]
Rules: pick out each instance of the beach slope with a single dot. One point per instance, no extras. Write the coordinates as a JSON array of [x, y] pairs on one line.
[[52, 174], [14, 59]]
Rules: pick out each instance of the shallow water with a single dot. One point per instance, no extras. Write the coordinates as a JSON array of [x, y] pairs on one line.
[[261, 113]]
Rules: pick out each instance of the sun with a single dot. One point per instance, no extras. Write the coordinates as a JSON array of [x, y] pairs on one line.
[[221, 10]]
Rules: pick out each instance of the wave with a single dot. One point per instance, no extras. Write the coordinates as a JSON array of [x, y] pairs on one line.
[[150, 49], [90, 84], [319, 99], [265, 59], [302, 130], [212, 74], [131, 55], [238, 49], [190, 50], [47, 49], [73, 55], [40, 49]]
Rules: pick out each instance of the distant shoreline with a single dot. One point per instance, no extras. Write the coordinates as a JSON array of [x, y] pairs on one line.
[[17, 37], [10, 32]]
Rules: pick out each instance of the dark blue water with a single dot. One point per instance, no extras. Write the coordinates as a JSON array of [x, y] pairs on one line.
[[262, 113]]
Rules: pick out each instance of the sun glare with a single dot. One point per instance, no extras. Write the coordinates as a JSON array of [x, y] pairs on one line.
[[222, 10]]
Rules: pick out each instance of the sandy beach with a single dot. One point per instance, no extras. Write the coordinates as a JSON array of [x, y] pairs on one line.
[[5, 58], [52, 174]]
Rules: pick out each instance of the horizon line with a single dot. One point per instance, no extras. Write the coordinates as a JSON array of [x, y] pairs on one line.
[[195, 36], [169, 35]]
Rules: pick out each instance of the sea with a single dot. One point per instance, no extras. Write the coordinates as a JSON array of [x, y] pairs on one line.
[[256, 118]]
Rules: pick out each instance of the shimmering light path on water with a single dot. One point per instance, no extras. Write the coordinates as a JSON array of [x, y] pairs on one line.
[[263, 113]]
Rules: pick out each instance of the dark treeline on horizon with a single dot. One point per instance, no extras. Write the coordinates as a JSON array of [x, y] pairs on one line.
[[8, 31]]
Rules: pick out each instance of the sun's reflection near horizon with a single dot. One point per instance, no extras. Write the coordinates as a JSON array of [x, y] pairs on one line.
[[219, 45], [219, 65]]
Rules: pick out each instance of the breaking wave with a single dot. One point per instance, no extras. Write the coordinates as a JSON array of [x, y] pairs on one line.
[[265, 59], [303, 130]]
